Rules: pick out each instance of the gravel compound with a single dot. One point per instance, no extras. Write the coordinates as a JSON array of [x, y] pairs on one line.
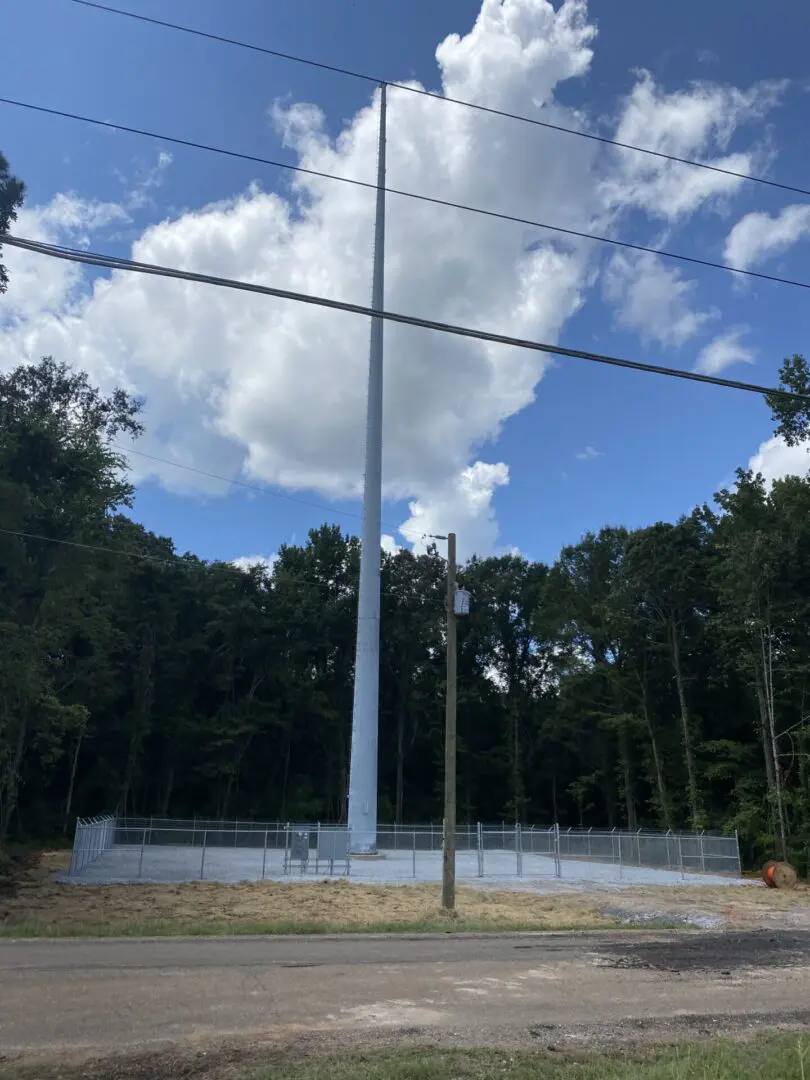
[[125, 864]]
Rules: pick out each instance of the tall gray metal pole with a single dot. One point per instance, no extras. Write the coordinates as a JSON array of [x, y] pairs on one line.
[[363, 767], [449, 848]]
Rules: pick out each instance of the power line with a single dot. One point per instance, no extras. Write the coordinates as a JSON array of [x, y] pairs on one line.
[[163, 559], [578, 233], [244, 484], [173, 561], [111, 262], [441, 97]]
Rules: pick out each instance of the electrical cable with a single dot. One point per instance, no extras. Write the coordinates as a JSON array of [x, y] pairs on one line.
[[172, 561], [114, 263], [441, 97], [578, 233], [248, 486]]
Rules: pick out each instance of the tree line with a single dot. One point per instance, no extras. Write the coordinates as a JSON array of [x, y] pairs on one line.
[[653, 677]]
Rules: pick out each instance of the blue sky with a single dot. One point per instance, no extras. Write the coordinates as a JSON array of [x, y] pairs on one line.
[[659, 446]]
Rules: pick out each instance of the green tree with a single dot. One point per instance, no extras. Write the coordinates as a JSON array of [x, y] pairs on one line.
[[61, 478], [791, 409], [12, 194]]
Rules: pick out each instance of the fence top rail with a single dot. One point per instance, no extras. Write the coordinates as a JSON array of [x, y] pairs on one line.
[[247, 826]]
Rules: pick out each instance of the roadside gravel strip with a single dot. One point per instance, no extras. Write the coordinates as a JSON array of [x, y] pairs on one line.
[[67, 998]]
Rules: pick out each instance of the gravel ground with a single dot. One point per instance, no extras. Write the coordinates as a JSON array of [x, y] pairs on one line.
[[502, 869]]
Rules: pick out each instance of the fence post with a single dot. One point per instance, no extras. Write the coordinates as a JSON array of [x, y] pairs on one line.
[[638, 847], [739, 863], [702, 853], [73, 852], [414, 852], [480, 850], [74, 857], [680, 856], [264, 855], [519, 849], [621, 874], [589, 841], [202, 860]]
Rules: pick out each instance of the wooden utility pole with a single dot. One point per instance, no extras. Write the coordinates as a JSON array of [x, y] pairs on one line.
[[449, 849]]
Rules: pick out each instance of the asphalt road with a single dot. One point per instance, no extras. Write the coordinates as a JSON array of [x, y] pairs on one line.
[[94, 996]]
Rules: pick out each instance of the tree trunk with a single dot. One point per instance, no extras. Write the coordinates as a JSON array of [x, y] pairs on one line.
[[767, 751], [11, 782], [168, 787], [286, 777], [694, 805], [767, 667], [400, 765], [627, 777], [73, 766], [663, 797], [517, 778], [142, 712]]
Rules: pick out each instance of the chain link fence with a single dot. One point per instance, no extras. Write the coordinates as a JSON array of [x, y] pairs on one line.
[[175, 850], [93, 837]]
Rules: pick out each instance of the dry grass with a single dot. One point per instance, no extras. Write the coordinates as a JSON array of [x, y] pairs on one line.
[[38, 905], [38, 902]]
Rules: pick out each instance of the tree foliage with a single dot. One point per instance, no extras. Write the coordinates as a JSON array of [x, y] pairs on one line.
[[654, 677], [12, 193]]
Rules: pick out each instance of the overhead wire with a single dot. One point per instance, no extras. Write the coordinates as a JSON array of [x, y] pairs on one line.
[[112, 262], [432, 199], [173, 561], [365, 77], [246, 485]]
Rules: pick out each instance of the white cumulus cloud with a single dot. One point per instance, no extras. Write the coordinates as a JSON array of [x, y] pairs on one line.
[[691, 123], [723, 351], [776, 460], [758, 236], [273, 390], [654, 299]]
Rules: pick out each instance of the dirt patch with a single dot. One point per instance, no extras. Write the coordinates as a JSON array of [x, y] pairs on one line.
[[750, 907], [718, 954]]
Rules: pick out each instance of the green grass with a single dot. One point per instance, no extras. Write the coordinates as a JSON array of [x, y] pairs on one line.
[[772, 1057], [775, 1058]]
